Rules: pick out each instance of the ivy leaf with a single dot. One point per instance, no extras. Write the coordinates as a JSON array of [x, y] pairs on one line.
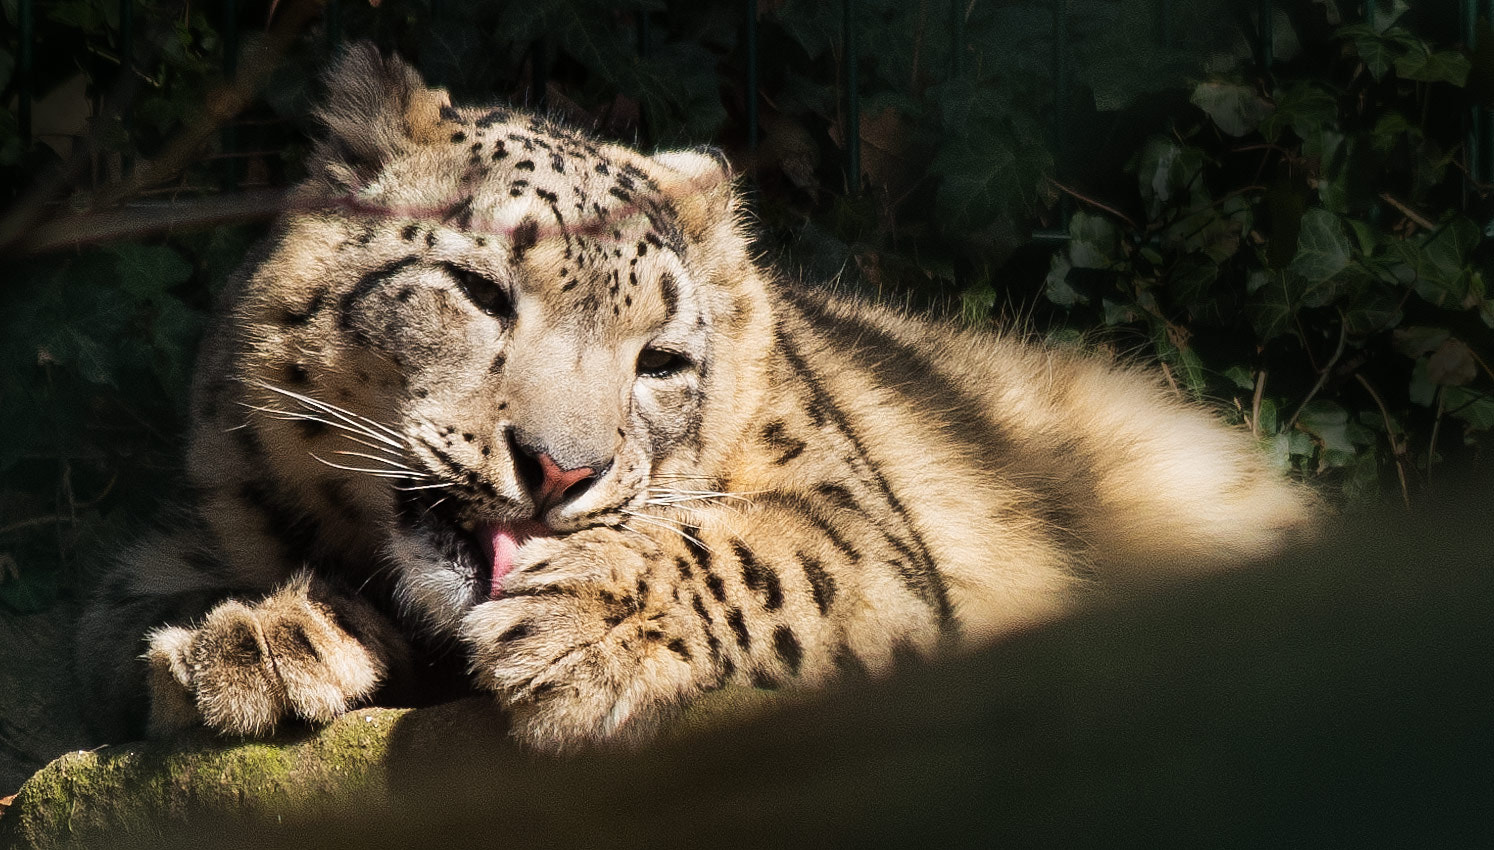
[[1373, 311], [1168, 172], [1421, 64], [1304, 107], [1056, 286], [1329, 423], [991, 171], [1378, 54], [1390, 128], [1322, 252], [1440, 262], [1418, 340], [1191, 278], [1236, 109], [1240, 377], [1270, 308], [1092, 241], [1473, 407]]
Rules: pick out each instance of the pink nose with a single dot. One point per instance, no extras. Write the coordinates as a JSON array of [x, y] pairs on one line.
[[555, 482]]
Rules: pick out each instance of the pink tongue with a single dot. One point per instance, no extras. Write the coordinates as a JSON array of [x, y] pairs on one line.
[[506, 538]]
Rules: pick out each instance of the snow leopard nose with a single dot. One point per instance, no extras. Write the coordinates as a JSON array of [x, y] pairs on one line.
[[547, 482]]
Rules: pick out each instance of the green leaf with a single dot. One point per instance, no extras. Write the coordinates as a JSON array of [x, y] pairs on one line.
[[1329, 423], [1418, 340], [1378, 55], [1440, 260], [1322, 252], [1421, 64], [1168, 172], [147, 270], [1372, 310], [1236, 109], [1240, 377], [1390, 128], [1304, 107], [1270, 307], [1117, 313], [1191, 278], [1093, 241], [1471, 406], [1056, 286]]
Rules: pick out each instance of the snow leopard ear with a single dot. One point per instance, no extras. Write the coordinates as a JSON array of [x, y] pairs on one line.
[[375, 109], [700, 184]]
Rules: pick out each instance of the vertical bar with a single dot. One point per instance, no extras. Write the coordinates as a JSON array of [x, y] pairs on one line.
[[1265, 36], [127, 74], [750, 38], [956, 37], [1061, 97], [539, 76], [853, 103], [230, 71], [332, 18], [1369, 13], [24, 80], [645, 47], [1480, 135]]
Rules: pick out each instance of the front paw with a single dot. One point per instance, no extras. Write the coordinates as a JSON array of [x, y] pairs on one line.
[[300, 653], [584, 644]]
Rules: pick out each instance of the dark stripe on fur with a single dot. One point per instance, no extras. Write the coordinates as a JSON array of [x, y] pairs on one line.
[[758, 577], [363, 287], [928, 583]]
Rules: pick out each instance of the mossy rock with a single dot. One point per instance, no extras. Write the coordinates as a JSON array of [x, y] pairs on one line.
[[1341, 697]]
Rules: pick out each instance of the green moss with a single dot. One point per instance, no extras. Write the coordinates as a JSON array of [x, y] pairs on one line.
[[88, 798]]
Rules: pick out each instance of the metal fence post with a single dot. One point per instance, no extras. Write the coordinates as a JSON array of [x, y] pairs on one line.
[[749, 24], [26, 21], [853, 103]]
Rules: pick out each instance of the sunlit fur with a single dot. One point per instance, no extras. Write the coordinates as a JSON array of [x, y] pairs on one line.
[[789, 483]]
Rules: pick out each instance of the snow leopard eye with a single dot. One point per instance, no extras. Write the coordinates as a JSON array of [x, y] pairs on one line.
[[487, 295], [661, 363]]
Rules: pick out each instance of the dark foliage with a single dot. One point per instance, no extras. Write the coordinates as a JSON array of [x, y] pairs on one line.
[[1308, 245]]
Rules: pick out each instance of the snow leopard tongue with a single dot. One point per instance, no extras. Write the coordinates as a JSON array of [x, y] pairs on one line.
[[504, 539]]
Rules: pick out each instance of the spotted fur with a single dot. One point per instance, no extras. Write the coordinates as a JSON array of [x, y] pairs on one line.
[[782, 484]]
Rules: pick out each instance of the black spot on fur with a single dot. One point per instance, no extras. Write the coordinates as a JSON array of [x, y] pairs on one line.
[[291, 643], [458, 137], [837, 496], [700, 611], [515, 633], [409, 232], [524, 237], [775, 436], [669, 292], [297, 318], [525, 165], [788, 648], [739, 628], [758, 577], [492, 118], [496, 367], [763, 680], [678, 647], [821, 583]]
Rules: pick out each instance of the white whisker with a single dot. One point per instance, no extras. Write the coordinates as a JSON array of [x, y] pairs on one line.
[[377, 473], [379, 459], [395, 438]]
